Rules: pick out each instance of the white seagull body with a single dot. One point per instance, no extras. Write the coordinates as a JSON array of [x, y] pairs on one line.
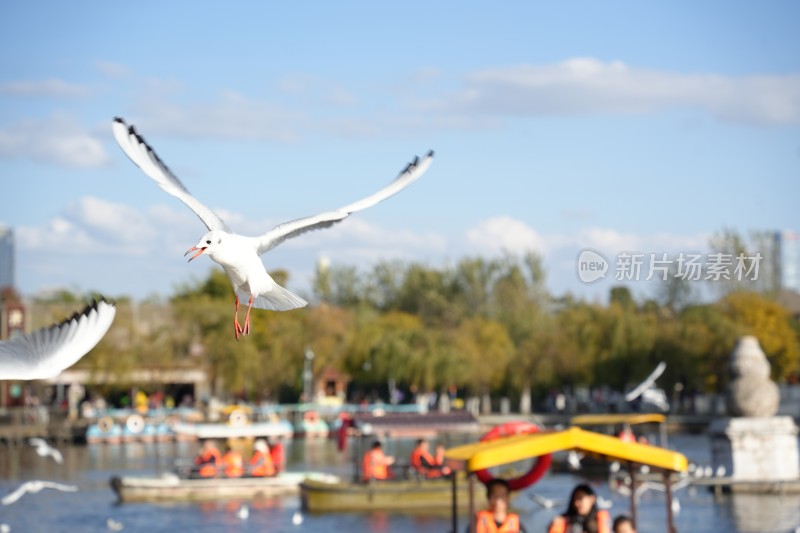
[[239, 255], [44, 353], [44, 449], [34, 487]]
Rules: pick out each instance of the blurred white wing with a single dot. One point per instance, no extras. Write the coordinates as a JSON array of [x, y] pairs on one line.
[[647, 383], [58, 486], [10, 498], [287, 230], [44, 353], [144, 157]]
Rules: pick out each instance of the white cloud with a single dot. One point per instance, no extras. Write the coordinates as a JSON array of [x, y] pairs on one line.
[[581, 86], [504, 233], [123, 250], [57, 140], [51, 87]]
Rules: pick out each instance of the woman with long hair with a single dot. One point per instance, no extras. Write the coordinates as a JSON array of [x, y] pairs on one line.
[[582, 514]]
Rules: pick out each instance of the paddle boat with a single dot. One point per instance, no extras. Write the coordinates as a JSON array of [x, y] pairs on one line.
[[472, 458]]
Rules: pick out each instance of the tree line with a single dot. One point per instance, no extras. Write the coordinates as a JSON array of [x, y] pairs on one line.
[[485, 326]]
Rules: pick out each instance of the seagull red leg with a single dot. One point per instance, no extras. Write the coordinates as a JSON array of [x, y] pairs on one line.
[[246, 330], [236, 327]]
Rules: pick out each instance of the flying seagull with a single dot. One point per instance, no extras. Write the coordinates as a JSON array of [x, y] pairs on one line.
[[239, 255], [44, 353], [34, 487], [44, 449], [648, 382]]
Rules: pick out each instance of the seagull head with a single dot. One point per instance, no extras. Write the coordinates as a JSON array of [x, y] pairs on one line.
[[206, 245]]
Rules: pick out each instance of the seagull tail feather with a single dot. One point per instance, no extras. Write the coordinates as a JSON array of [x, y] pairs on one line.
[[278, 299]]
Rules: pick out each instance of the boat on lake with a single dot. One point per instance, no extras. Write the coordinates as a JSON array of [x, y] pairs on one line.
[[410, 496], [407, 492], [172, 487]]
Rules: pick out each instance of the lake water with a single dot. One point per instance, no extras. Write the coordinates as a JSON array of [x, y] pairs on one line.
[[91, 466]]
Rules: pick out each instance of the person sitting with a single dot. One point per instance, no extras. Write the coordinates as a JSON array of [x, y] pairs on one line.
[[207, 460], [424, 464], [582, 514], [233, 462], [623, 524], [376, 464], [277, 455], [261, 461], [497, 518]]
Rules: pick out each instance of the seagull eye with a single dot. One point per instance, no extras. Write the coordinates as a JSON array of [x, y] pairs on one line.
[[208, 242]]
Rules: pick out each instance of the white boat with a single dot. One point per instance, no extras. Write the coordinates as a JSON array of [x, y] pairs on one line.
[[171, 487]]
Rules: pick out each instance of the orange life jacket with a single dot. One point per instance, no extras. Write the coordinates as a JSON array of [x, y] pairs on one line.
[[416, 463], [374, 465], [485, 523], [234, 464], [559, 523], [261, 464], [276, 453], [208, 462]]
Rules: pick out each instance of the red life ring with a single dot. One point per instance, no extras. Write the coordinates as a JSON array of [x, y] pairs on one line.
[[538, 468]]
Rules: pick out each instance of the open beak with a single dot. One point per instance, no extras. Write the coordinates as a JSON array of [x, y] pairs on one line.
[[194, 249]]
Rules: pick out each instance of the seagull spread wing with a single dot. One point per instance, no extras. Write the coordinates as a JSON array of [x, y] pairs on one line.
[[44, 353], [146, 159], [58, 486], [11, 497], [288, 230], [647, 383]]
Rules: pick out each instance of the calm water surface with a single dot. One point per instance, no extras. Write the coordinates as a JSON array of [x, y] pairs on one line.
[[91, 466]]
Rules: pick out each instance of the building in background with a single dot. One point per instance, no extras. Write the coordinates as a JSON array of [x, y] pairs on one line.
[[787, 252], [6, 257]]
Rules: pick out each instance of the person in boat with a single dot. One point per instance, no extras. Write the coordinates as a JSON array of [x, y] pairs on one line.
[[261, 461], [207, 460], [375, 465], [424, 464], [623, 524], [497, 518], [232, 462], [277, 454], [582, 514], [626, 434]]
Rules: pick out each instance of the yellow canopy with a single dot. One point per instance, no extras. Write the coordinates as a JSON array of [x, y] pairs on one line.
[[482, 455], [630, 419]]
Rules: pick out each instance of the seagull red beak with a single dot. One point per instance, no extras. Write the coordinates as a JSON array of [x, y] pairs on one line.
[[194, 249]]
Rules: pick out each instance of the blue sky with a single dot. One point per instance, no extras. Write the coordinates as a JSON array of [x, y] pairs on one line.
[[607, 125]]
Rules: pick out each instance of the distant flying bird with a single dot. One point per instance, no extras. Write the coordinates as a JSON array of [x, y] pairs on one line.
[[239, 255], [34, 487], [114, 525], [603, 503], [647, 383], [46, 352], [547, 503], [45, 450], [574, 459]]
